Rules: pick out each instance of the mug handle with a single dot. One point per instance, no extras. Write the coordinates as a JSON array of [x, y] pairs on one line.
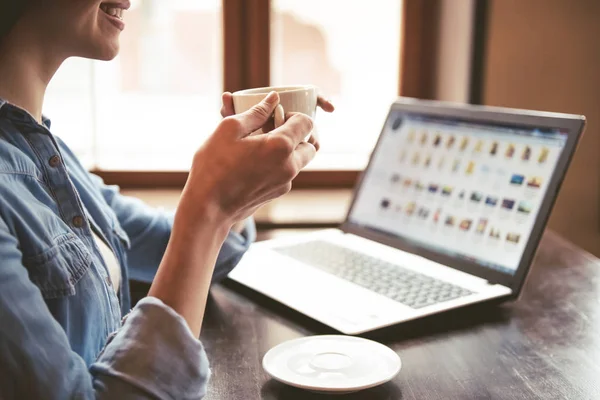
[[279, 116]]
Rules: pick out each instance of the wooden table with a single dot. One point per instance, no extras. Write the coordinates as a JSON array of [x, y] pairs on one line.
[[544, 346]]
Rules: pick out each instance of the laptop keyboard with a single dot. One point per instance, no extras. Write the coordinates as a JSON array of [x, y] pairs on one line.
[[402, 285]]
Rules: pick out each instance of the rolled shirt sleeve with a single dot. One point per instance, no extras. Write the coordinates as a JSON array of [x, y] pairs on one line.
[[152, 355], [155, 352]]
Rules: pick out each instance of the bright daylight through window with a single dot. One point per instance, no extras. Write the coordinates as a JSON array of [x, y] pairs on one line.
[[351, 51], [151, 108]]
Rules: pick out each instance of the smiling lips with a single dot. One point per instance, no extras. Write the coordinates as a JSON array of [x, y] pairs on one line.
[[114, 12]]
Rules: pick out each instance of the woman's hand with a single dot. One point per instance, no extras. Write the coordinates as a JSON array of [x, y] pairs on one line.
[[234, 172], [227, 111]]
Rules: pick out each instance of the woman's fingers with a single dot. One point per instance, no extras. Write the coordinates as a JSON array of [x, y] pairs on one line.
[[266, 128], [257, 116], [227, 108], [304, 154], [325, 104], [296, 128], [314, 139]]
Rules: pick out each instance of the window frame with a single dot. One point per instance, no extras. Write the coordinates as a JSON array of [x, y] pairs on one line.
[[246, 41]]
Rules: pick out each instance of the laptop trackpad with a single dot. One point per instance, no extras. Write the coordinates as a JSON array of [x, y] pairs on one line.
[[312, 291]]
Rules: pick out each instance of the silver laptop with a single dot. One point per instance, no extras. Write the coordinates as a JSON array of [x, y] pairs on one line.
[[449, 212]]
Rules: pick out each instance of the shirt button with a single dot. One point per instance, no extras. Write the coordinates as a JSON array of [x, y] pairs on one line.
[[78, 221], [54, 161], [108, 281]]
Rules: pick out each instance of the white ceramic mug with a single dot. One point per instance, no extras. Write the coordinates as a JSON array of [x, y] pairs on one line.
[[301, 99]]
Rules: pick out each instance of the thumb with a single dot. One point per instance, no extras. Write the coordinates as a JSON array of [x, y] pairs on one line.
[[257, 116]]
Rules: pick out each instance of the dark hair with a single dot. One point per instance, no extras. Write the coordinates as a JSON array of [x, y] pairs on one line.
[[10, 11]]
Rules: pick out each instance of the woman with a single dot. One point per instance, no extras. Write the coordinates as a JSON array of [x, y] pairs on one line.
[[68, 243]]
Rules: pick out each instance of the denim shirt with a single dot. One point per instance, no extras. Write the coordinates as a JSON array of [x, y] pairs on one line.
[[64, 331]]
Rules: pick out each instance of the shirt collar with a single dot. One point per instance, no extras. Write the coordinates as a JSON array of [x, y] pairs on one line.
[[45, 121]]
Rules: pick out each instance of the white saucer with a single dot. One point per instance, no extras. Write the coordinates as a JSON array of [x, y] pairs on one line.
[[332, 363]]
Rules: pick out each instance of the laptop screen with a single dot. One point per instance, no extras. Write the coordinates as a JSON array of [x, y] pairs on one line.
[[467, 189]]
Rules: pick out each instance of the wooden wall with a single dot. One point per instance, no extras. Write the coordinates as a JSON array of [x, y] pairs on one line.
[[545, 54]]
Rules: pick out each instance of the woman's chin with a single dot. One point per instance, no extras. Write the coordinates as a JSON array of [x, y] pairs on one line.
[[108, 56], [105, 52]]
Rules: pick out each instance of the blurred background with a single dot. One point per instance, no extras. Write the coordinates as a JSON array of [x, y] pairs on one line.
[[136, 121]]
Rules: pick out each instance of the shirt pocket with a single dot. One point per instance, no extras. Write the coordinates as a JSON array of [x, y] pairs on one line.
[[57, 270]]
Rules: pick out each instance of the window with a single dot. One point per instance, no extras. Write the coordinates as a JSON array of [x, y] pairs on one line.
[[69, 105], [160, 99], [351, 51], [151, 107]]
